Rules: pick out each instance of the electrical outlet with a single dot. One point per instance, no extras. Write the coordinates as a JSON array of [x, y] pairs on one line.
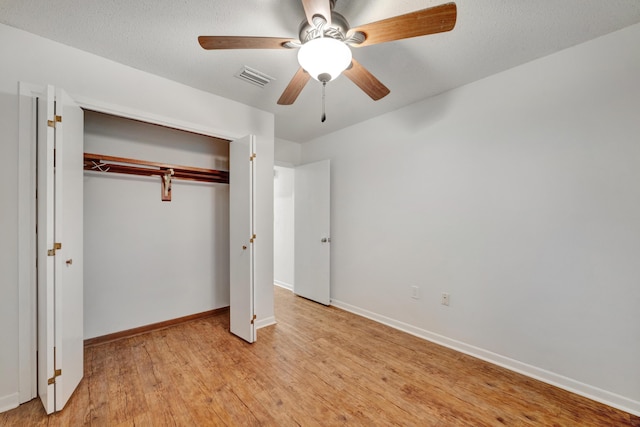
[[444, 298], [415, 292]]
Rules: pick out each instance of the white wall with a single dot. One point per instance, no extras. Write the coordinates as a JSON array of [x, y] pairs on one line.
[[8, 251], [287, 152], [519, 195], [91, 79], [283, 227], [147, 260]]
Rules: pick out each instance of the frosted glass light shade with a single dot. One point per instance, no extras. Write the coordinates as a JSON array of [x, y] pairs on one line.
[[324, 58]]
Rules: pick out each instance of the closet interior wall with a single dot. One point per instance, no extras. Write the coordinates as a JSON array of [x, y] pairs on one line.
[[146, 260]]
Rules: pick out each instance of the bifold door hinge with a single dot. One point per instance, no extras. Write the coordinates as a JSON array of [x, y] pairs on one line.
[[253, 319], [56, 246], [252, 239], [56, 374], [52, 123]]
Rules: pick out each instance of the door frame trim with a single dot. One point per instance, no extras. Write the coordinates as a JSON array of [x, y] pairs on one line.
[[27, 272]]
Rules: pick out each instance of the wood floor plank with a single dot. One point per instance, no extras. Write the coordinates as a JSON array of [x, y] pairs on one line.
[[318, 366]]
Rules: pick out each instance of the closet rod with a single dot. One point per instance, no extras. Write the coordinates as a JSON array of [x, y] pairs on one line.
[[102, 163]]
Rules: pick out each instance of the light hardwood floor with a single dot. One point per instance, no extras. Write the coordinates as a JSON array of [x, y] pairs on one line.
[[318, 366]]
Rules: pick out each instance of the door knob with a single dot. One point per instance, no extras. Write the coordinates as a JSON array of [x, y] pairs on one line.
[[325, 239], [69, 261], [244, 247]]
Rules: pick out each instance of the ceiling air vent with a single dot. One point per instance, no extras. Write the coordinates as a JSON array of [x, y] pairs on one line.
[[254, 77]]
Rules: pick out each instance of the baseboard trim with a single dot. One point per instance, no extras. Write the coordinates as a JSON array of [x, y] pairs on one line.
[[266, 322], [9, 402], [284, 285], [152, 327], [577, 387]]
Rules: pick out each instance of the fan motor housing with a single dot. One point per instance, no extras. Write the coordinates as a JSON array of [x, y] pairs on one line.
[[337, 30]]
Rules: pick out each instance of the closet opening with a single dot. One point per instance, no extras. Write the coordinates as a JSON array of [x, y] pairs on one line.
[[156, 225], [109, 252]]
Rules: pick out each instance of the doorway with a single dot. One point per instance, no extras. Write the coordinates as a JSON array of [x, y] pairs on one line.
[[302, 240], [283, 226]]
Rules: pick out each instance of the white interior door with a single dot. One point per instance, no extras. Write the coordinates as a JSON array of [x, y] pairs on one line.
[[45, 207], [241, 237], [60, 222], [312, 231], [69, 304]]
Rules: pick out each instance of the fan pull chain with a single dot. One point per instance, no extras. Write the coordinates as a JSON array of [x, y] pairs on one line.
[[324, 116]]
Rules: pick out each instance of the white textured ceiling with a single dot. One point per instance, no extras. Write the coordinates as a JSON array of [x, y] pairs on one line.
[[160, 36]]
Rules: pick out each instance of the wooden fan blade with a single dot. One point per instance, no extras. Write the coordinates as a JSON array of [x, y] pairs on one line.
[[366, 81], [433, 20], [294, 88], [317, 7], [240, 42]]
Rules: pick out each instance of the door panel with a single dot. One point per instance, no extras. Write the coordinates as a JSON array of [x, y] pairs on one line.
[[45, 207], [312, 251], [60, 222], [69, 332], [241, 230]]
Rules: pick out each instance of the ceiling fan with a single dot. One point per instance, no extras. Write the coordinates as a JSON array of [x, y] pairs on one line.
[[325, 38]]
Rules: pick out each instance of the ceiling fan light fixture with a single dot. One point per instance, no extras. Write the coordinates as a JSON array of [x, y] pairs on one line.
[[324, 58]]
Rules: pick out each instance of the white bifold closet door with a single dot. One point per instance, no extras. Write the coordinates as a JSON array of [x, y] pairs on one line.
[[60, 263], [242, 237], [312, 258]]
